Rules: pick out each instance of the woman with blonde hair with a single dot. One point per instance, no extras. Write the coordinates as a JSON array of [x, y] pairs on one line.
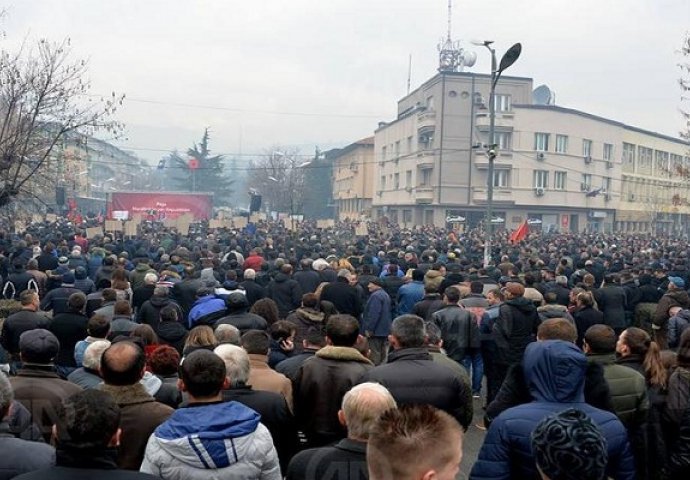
[[199, 338]]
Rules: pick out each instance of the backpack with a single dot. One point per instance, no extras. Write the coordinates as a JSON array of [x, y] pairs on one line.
[[9, 291]]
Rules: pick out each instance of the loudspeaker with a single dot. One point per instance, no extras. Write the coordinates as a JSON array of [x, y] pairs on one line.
[[60, 195], [255, 204]]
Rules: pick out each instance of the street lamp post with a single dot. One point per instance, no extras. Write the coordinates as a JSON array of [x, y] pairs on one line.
[[496, 70]]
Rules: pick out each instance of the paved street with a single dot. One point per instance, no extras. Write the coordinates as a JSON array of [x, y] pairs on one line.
[[473, 441]]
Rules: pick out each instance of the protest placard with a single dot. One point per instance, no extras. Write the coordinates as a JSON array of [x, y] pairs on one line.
[[113, 226], [93, 232]]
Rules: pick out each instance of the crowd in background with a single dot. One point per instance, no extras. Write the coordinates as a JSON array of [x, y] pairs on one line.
[[266, 353]]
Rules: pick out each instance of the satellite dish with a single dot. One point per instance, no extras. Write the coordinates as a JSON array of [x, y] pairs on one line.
[[543, 95], [469, 59]]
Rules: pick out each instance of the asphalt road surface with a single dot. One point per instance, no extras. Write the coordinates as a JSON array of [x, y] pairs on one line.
[[474, 437]]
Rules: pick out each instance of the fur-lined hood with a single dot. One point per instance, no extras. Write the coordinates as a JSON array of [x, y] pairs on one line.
[[347, 354], [128, 394]]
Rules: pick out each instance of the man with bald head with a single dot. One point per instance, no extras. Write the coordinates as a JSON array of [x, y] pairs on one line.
[[362, 405], [122, 366]]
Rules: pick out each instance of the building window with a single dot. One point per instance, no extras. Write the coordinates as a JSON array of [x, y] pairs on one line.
[[586, 148], [606, 184], [561, 144], [407, 216], [559, 180], [408, 178], [502, 102], [426, 140], [383, 182], [541, 179], [409, 144], [676, 164], [503, 140], [430, 103], [644, 157], [397, 149], [608, 152], [396, 181], [586, 182], [426, 177], [501, 178], [383, 153], [541, 142], [629, 157], [661, 168]]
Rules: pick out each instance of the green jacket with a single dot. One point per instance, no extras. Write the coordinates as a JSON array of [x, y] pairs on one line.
[[628, 390]]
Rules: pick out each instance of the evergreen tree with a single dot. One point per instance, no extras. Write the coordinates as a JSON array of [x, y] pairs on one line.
[[199, 171]]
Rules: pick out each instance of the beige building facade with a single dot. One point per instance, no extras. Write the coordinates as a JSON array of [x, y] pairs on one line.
[[353, 167], [559, 168]]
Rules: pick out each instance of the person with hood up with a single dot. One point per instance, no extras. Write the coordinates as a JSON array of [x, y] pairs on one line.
[[83, 282], [210, 439], [676, 296], [138, 276], [304, 318], [285, 291], [170, 329], [555, 374]]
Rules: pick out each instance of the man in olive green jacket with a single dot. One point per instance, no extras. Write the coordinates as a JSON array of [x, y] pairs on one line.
[[627, 387]]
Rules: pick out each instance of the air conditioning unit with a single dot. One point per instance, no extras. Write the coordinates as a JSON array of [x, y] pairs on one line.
[[379, 192], [541, 156], [609, 164], [588, 159], [408, 189], [539, 191], [631, 197], [584, 187]]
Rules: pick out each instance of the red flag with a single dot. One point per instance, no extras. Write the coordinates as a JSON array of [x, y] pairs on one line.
[[520, 233]]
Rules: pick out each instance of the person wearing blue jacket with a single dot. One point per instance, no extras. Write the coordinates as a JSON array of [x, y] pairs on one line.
[[555, 373], [206, 309], [376, 321], [411, 293]]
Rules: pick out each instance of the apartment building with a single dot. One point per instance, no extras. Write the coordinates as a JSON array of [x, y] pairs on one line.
[[353, 168], [559, 168]]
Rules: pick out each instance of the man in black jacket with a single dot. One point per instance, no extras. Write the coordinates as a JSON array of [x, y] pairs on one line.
[[87, 435], [514, 328], [253, 290], [238, 315], [611, 301], [150, 311], [413, 377], [307, 277], [28, 318], [69, 328], [361, 407], [343, 295], [285, 291], [272, 407]]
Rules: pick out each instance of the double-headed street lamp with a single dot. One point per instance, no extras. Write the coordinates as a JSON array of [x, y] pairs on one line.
[[496, 70]]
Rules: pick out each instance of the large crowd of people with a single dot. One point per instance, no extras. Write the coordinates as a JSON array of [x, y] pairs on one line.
[[269, 353]]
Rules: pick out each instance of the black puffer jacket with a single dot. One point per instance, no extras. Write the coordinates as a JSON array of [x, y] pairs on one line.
[[412, 377], [286, 292], [344, 297], [304, 319], [173, 334], [514, 329], [150, 311]]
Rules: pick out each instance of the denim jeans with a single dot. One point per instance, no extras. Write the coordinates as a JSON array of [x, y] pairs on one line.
[[475, 367]]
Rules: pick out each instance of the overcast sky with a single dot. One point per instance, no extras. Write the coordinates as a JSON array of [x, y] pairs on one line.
[[323, 72]]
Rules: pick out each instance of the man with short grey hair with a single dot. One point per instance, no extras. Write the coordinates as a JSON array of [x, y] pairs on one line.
[[18, 456], [88, 376], [362, 405], [410, 365], [145, 291], [253, 290], [272, 407], [226, 333]]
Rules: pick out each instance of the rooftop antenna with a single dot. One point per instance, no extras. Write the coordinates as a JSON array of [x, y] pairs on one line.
[[451, 56], [409, 73]]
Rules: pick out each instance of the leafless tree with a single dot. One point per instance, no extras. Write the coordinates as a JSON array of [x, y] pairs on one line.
[[44, 96], [279, 178]]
